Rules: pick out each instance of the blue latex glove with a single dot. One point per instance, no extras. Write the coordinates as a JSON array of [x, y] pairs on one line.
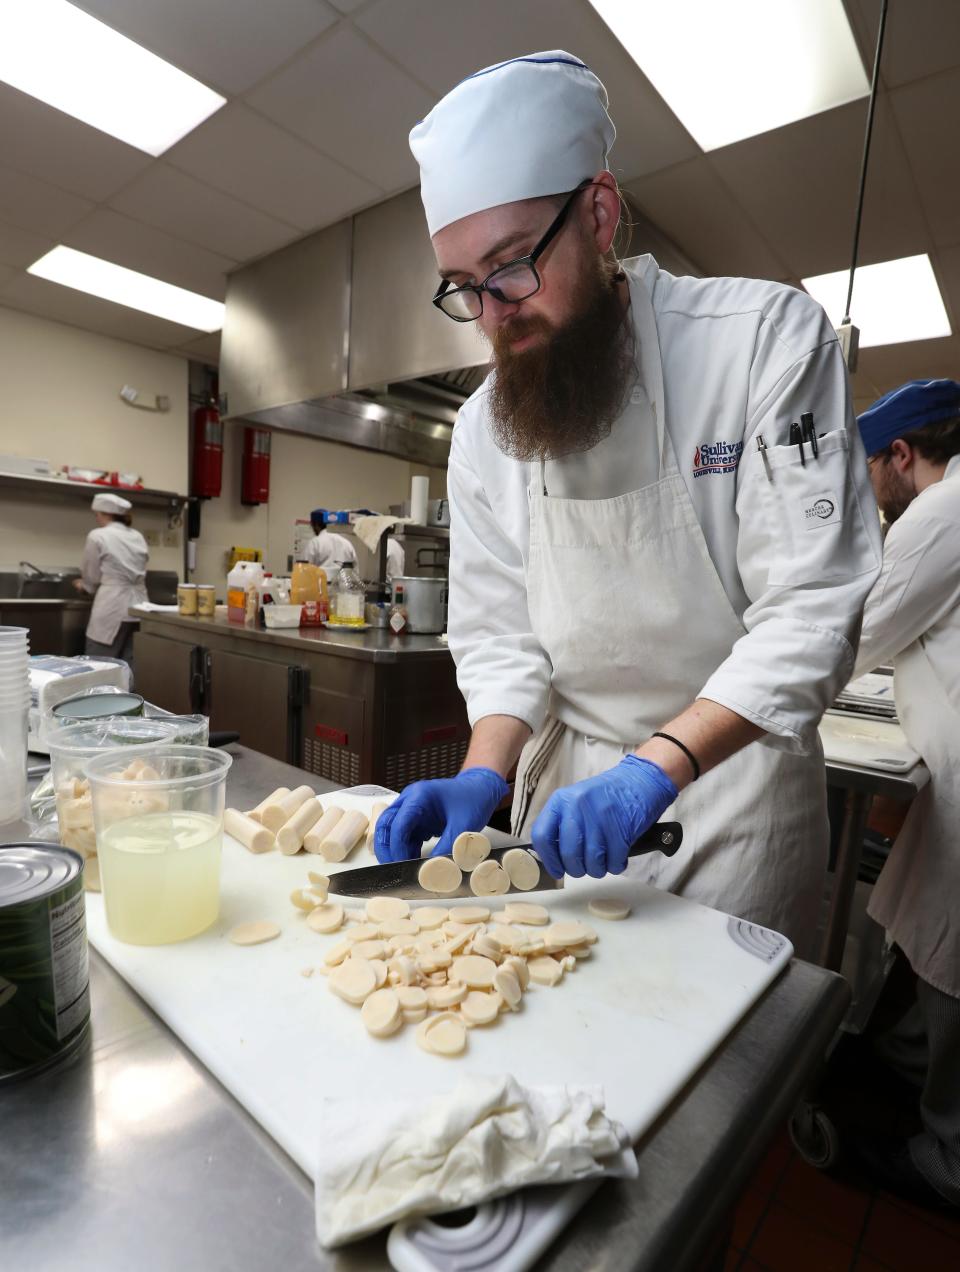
[[589, 828], [444, 806]]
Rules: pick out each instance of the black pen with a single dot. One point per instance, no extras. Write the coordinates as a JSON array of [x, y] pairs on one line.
[[809, 432], [796, 439]]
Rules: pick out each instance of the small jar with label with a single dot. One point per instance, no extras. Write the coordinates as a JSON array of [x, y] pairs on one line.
[[398, 620]]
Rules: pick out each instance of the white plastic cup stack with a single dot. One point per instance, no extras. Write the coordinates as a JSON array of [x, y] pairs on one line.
[[14, 712]]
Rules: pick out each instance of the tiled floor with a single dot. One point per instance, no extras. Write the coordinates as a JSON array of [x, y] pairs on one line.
[[793, 1218]]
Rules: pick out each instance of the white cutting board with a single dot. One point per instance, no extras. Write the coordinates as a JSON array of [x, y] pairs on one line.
[[868, 743], [660, 992]]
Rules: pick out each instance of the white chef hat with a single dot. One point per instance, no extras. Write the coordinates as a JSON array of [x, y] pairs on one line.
[[111, 503], [532, 126]]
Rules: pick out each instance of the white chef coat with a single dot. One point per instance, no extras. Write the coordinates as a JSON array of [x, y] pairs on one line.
[[741, 358], [913, 617], [396, 564], [114, 567], [327, 550]]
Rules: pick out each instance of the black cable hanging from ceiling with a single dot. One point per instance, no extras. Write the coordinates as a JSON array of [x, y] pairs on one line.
[[866, 157]]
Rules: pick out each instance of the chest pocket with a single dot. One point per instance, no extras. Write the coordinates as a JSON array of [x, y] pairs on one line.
[[819, 523]]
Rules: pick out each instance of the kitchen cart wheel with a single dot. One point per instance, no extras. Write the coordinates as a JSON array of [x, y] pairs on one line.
[[814, 1136]]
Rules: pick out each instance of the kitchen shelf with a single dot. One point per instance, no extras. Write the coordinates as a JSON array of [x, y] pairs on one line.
[[86, 490]]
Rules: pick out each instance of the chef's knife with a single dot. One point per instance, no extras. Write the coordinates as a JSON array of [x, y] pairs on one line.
[[400, 878]]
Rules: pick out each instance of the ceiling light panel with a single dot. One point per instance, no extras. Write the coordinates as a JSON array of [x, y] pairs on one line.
[[127, 287], [61, 55], [893, 301], [733, 70]]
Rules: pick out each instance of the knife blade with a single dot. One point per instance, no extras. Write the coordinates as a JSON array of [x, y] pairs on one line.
[[400, 878]]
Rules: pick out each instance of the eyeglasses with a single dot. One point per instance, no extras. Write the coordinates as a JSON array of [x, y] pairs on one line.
[[517, 280]]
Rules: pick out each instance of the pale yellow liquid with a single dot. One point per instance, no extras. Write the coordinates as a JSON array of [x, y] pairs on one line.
[[160, 875]]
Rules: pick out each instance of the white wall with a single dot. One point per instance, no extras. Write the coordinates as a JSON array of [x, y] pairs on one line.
[[60, 400], [305, 473]]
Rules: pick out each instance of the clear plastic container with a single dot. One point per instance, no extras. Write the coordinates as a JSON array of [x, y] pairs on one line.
[[159, 827], [71, 746], [351, 598]]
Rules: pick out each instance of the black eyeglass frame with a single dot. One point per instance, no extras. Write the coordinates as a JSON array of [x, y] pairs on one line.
[[443, 292]]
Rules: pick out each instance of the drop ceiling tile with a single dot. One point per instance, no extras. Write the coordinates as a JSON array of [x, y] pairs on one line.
[[946, 267], [928, 114], [799, 186], [922, 37], [465, 37], [194, 211], [120, 239], [344, 97], [244, 154], [204, 349], [36, 205], [723, 242], [228, 44], [20, 247], [888, 366], [46, 143], [64, 304], [6, 274]]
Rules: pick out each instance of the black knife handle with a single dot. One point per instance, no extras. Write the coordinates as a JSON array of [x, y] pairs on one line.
[[665, 837]]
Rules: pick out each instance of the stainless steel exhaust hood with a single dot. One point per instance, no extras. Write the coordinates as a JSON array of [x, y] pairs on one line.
[[335, 337]]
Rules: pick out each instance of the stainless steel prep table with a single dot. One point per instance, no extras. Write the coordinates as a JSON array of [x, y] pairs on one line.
[[861, 785], [133, 1156]]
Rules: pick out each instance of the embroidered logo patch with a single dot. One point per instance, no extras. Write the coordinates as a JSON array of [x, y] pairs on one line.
[[716, 457], [820, 510]]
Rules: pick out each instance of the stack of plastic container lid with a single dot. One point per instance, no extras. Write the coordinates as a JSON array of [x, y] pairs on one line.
[[14, 711]]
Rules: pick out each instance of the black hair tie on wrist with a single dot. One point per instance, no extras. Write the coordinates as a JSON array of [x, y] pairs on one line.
[[694, 763]]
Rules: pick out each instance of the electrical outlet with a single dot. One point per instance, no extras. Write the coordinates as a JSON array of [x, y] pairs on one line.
[[152, 537], [171, 538]]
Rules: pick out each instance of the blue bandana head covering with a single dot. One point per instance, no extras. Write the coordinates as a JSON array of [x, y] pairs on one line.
[[914, 405]]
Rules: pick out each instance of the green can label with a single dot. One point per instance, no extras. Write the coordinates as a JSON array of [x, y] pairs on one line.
[[44, 967]]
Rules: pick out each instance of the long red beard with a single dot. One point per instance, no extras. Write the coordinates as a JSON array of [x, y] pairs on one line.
[[562, 395]]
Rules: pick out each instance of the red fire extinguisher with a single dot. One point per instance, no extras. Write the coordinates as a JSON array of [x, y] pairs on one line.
[[255, 480], [207, 450]]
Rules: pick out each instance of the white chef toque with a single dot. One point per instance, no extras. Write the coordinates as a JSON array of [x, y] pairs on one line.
[[532, 126], [111, 503]]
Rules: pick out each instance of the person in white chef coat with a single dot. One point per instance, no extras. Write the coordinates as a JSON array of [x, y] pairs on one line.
[[912, 618], [653, 594], [113, 569], [326, 549]]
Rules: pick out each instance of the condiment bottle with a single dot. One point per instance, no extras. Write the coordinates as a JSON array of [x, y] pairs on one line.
[[398, 613]]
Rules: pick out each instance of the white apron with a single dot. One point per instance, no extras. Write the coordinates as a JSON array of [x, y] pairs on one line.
[[625, 600], [917, 897]]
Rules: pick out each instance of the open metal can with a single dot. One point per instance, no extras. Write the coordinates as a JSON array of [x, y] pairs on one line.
[[44, 961]]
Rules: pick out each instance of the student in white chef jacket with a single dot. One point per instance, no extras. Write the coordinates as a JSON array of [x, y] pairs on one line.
[[636, 548], [912, 617], [114, 569], [326, 549]]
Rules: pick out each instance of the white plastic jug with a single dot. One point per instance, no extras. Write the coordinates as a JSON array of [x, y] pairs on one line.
[[244, 575]]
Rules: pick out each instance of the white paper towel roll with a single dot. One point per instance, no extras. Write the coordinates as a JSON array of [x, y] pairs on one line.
[[419, 493]]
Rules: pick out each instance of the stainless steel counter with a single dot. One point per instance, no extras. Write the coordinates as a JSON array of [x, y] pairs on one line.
[[376, 645], [133, 1156]]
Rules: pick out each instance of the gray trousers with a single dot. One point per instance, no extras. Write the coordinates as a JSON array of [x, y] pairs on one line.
[[925, 1048], [120, 647]]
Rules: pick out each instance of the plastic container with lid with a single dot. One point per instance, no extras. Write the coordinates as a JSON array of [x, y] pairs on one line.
[[159, 838], [97, 706], [72, 745]]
